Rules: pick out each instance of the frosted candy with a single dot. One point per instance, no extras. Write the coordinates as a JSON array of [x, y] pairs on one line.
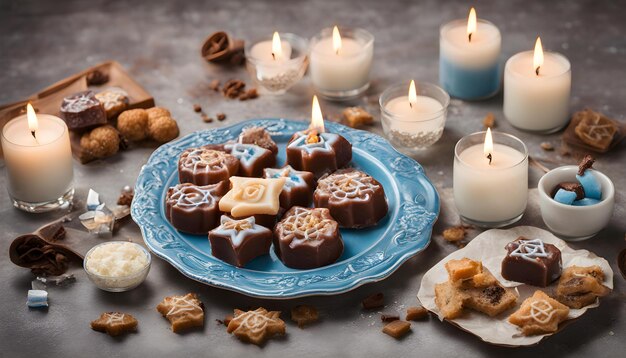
[[585, 202], [565, 197], [93, 200], [591, 185], [37, 298]]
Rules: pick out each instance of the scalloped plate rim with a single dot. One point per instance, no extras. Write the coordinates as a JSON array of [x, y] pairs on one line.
[[376, 276]]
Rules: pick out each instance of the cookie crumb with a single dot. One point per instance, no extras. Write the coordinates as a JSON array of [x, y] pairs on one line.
[[547, 146], [389, 317], [215, 85], [454, 234], [416, 313], [304, 315], [397, 329], [374, 301]]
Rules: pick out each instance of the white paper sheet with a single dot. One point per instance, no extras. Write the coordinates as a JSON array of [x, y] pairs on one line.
[[488, 247]]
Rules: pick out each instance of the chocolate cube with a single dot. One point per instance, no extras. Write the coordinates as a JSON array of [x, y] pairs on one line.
[[239, 241], [532, 262], [83, 110]]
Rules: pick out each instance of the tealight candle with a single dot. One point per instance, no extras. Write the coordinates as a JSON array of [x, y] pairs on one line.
[[490, 178], [314, 150], [414, 116], [278, 63], [469, 52], [38, 159], [341, 62], [537, 90]]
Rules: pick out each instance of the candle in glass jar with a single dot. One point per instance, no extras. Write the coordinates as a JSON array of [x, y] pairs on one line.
[[38, 159], [469, 58], [537, 87], [341, 62], [490, 180]]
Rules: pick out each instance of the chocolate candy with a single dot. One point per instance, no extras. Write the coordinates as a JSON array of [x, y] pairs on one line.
[[258, 136], [532, 262], [318, 153], [355, 199], [585, 176], [252, 158], [239, 241], [194, 209], [571, 187], [83, 110], [307, 238], [204, 165], [298, 188], [113, 101]]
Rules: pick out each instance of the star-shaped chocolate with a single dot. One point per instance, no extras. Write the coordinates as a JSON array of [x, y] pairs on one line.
[[252, 196], [252, 158], [239, 241], [299, 186], [256, 326]]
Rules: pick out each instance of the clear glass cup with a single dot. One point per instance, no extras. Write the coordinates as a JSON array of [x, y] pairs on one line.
[[413, 133], [118, 283], [277, 77], [341, 75], [490, 195]]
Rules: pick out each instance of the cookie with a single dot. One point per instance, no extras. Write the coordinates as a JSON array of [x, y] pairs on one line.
[[539, 314], [114, 102], [304, 315], [256, 326], [463, 269], [183, 312], [115, 323], [581, 286]]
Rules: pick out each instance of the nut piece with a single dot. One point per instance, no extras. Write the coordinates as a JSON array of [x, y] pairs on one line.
[[214, 85], [374, 301], [197, 108], [397, 329], [233, 88], [304, 315], [416, 313], [97, 78], [133, 124], [356, 117], [249, 94], [220, 116], [489, 121], [100, 142]]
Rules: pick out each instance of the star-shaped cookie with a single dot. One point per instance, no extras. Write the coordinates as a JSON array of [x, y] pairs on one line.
[[183, 312], [256, 326], [114, 323], [252, 196], [539, 314]]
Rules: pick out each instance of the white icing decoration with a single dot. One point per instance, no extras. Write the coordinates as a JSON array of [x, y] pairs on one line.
[[294, 177], [246, 153], [201, 159], [181, 304], [229, 227], [541, 311], [530, 250], [307, 225], [115, 317], [255, 321], [191, 196], [350, 185], [324, 144]]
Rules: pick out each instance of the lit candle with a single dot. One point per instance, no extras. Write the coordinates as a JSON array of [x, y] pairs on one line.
[[341, 62], [537, 87], [38, 159], [414, 119], [278, 63], [315, 150], [490, 178], [469, 51]]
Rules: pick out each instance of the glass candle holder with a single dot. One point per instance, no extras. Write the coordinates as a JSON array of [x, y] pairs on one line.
[[413, 127], [277, 76], [537, 102], [470, 70], [344, 73], [39, 168], [490, 193]]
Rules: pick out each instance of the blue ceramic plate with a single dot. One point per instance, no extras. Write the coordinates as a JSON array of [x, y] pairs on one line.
[[369, 255]]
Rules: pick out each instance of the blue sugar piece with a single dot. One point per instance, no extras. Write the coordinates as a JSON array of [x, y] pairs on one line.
[[565, 197], [585, 202], [37, 298], [591, 185]]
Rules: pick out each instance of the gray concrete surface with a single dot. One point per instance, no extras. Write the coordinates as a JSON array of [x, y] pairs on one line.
[[159, 42]]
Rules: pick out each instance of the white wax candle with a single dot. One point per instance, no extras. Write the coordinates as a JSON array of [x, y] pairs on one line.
[[482, 51], [39, 170], [424, 115], [268, 63], [343, 70], [537, 102], [493, 192]]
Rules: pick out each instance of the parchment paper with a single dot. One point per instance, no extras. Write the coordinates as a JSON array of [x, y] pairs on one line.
[[488, 247]]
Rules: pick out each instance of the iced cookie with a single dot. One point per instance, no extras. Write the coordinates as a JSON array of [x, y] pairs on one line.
[[203, 166], [539, 314], [183, 312], [114, 102], [256, 326], [115, 323], [355, 199], [581, 286]]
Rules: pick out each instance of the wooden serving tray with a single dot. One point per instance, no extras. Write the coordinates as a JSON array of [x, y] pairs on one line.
[[49, 99]]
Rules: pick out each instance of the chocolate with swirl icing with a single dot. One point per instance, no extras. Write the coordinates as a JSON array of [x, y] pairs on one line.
[[355, 199], [194, 209], [206, 165]]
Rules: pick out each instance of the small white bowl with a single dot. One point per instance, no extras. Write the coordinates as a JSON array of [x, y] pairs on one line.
[[574, 223], [118, 283]]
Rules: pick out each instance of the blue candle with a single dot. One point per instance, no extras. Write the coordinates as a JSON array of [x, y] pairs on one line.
[[469, 58]]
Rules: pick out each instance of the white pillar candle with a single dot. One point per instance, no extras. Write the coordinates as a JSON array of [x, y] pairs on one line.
[[490, 192], [39, 167], [537, 90], [469, 58], [341, 62]]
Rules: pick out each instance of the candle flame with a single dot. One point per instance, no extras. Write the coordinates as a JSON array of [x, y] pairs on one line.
[[471, 24], [277, 48], [412, 94], [538, 56], [317, 120], [336, 40], [33, 124], [488, 147]]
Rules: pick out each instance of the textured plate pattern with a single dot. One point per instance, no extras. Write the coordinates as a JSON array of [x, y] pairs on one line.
[[370, 255]]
